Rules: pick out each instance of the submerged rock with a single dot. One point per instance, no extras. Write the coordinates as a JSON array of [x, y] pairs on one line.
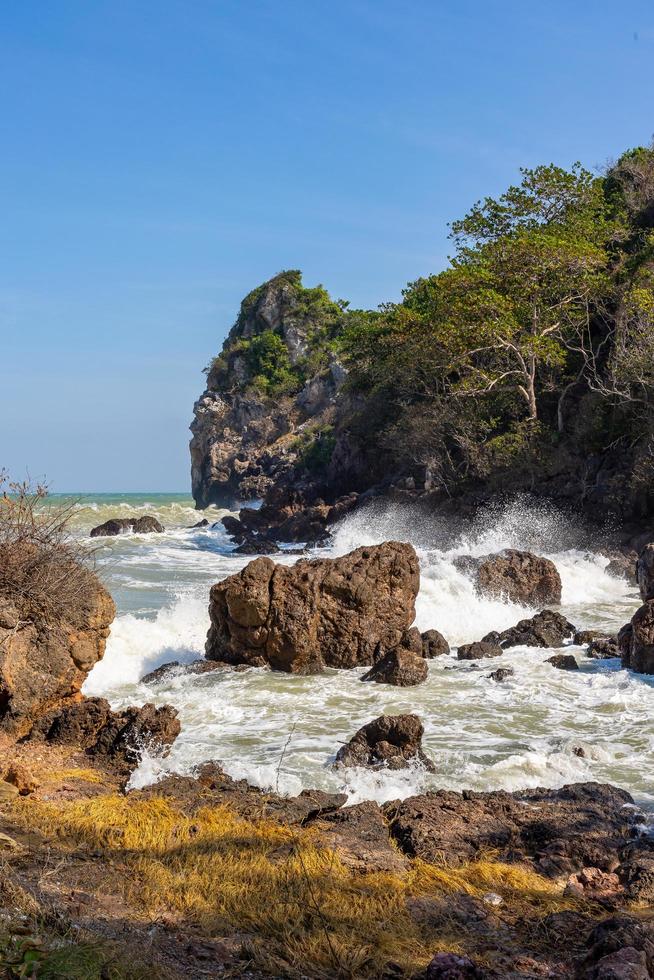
[[563, 661], [334, 612], [501, 674], [175, 668], [122, 525], [545, 629], [391, 741]]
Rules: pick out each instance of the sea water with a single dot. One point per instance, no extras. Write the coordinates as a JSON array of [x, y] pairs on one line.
[[541, 727]]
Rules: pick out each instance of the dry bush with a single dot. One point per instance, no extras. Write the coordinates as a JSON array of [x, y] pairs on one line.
[[44, 572]]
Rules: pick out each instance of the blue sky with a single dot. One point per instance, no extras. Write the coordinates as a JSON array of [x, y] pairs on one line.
[[160, 158]]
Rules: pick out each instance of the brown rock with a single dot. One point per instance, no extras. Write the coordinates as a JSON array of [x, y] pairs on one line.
[[121, 525], [636, 640], [545, 629], [519, 576], [501, 674], [359, 835], [434, 644], [451, 966], [174, 668], [603, 648], [625, 964], [22, 778], [390, 741], [556, 831], [338, 612], [594, 885], [479, 650], [563, 661], [645, 572], [401, 667], [44, 664]]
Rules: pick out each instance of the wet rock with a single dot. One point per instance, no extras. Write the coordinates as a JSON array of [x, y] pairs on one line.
[[645, 572], [519, 576], [257, 546], [603, 648], [555, 831], [545, 629], [501, 674], [123, 525], [636, 640], [582, 638], [622, 565], [92, 725], [434, 644], [390, 741], [174, 668], [203, 523], [401, 667], [479, 650], [563, 661], [43, 663], [451, 966], [335, 612]]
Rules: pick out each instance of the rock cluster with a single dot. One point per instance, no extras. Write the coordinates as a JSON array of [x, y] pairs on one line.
[[343, 612], [545, 629]]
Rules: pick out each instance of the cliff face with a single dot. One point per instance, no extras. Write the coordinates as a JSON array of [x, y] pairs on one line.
[[269, 405]]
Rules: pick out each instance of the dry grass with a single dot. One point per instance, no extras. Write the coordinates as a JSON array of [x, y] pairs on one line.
[[299, 909]]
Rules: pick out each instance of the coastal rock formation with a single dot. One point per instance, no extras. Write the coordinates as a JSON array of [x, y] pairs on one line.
[[123, 525], [402, 667], [390, 741], [43, 662], [545, 629], [434, 644], [92, 725], [603, 648], [636, 640], [478, 650], [563, 661], [519, 576], [333, 612], [645, 572], [557, 831]]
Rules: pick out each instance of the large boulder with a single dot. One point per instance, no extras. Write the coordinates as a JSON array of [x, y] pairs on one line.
[[390, 741], [434, 644], [44, 662], [335, 612], [545, 629], [519, 576], [123, 525], [645, 572]]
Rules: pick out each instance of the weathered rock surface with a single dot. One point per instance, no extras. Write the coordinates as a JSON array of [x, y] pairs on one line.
[[645, 572], [563, 661], [333, 612], [405, 666], [390, 741], [501, 674], [559, 832], [479, 650], [545, 629], [603, 648], [123, 525], [636, 640], [44, 664], [93, 726], [518, 576], [175, 668], [622, 564], [434, 644]]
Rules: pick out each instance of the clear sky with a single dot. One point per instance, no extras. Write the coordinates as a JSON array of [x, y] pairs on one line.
[[162, 157]]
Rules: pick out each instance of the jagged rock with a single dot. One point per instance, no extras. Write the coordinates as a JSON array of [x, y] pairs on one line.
[[636, 874], [391, 741], [519, 576], [122, 525], [257, 546], [557, 832], [623, 565], [402, 666], [563, 661], [92, 725], [545, 629], [645, 572], [582, 638], [175, 668], [501, 674], [203, 523], [479, 650], [636, 640], [434, 644], [603, 648], [595, 886], [625, 964], [334, 612], [610, 938], [43, 664]]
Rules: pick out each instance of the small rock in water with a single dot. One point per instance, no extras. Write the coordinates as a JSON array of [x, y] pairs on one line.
[[545, 629], [401, 667], [563, 661], [479, 650], [390, 740], [603, 648], [501, 674]]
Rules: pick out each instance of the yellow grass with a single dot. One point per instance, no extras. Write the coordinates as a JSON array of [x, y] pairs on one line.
[[299, 908]]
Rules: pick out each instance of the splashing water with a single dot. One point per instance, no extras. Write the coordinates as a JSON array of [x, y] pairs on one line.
[[541, 727]]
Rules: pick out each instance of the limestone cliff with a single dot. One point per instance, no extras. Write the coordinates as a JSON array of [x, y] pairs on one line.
[[269, 404]]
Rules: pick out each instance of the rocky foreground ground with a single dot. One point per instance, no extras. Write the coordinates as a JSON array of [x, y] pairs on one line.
[[202, 875]]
